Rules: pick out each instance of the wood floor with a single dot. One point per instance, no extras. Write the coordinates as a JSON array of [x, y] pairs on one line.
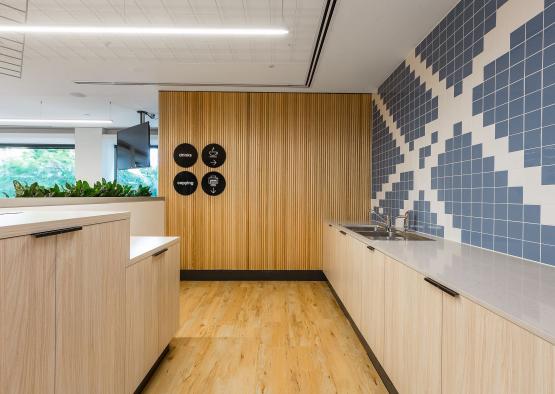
[[263, 337]]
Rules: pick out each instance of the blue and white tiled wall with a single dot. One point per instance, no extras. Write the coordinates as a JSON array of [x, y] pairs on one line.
[[464, 130]]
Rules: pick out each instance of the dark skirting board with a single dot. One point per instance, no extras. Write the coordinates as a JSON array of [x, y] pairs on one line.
[[227, 275]]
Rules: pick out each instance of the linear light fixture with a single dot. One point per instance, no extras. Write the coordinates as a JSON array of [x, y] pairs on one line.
[[170, 31], [33, 122]]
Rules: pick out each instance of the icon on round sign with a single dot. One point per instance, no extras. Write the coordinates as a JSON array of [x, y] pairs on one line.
[[213, 183], [213, 155]]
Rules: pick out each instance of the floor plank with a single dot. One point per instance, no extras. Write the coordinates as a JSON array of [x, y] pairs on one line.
[[263, 337]]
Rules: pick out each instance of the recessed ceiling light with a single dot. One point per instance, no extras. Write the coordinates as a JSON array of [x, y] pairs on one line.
[[35, 122], [192, 31]]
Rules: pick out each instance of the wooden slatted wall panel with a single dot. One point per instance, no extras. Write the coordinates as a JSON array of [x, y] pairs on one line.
[[293, 160], [213, 230]]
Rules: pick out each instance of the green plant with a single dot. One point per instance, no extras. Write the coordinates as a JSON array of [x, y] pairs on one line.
[[80, 188]]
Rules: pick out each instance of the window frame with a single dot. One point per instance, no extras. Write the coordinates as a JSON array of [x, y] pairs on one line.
[[38, 146]]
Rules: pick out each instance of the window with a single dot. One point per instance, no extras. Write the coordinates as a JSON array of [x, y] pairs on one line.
[[147, 176], [45, 164]]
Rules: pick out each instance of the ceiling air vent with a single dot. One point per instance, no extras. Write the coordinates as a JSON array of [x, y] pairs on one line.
[[315, 57]]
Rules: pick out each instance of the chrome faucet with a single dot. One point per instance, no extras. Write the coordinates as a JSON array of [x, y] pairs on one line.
[[386, 221], [405, 218]]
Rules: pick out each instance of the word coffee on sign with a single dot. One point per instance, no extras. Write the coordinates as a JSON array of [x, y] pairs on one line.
[[185, 155], [185, 183]]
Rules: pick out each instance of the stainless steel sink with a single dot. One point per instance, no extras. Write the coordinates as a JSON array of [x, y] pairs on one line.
[[379, 234], [363, 227]]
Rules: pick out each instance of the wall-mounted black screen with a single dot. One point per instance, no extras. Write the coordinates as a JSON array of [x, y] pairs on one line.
[[133, 148]]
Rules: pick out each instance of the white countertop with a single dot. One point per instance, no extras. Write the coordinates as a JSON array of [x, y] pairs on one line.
[[19, 222], [519, 290], [144, 246]]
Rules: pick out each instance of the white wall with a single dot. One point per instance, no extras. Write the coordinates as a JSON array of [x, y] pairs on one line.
[[108, 156], [94, 154]]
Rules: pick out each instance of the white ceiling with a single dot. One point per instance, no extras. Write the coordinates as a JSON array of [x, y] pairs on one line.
[[366, 40]]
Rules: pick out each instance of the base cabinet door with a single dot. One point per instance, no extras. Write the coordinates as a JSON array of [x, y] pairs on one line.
[[412, 351], [485, 353], [152, 312], [372, 299], [334, 251], [168, 295], [142, 303], [90, 314], [27, 314], [354, 258], [136, 295], [328, 252], [341, 259]]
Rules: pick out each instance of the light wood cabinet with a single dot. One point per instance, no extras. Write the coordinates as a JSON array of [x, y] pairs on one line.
[[354, 258], [372, 299], [328, 253], [169, 278], [427, 338], [151, 314], [485, 353], [413, 320], [72, 309], [27, 315], [357, 276], [136, 296], [90, 320], [341, 260], [152, 311], [62, 310], [333, 248]]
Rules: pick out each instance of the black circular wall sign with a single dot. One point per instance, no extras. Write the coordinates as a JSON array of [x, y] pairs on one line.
[[185, 155], [185, 183], [213, 155], [213, 183]]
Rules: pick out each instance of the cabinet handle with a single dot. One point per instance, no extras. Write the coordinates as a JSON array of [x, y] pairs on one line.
[[370, 248], [342, 232], [57, 232], [160, 252], [447, 290], [329, 225]]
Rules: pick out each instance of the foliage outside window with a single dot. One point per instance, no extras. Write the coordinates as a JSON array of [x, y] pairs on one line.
[[46, 165], [147, 176]]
